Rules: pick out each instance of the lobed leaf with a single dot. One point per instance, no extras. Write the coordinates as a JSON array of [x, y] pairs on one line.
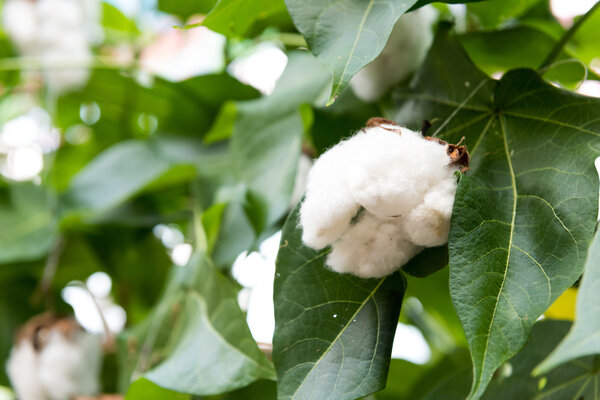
[[524, 214]]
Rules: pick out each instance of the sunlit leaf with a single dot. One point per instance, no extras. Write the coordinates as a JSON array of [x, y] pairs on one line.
[[238, 17]]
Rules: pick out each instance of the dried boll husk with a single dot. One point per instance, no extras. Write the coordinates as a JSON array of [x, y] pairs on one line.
[[380, 197]]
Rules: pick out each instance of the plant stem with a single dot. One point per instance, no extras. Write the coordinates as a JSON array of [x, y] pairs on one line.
[[566, 37], [36, 63]]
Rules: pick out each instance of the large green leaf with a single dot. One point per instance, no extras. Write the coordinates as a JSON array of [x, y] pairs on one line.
[[238, 17], [346, 35], [128, 167], [198, 335], [27, 223], [583, 339], [334, 332], [524, 214], [577, 379], [267, 135]]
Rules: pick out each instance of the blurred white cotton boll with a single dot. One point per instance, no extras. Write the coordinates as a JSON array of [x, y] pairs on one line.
[[54, 359], [180, 54], [261, 68], [255, 271], [19, 19], [58, 32], [404, 52]]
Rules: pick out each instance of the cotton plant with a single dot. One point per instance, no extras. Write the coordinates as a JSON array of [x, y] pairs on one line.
[[380, 197], [59, 33], [54, 359]]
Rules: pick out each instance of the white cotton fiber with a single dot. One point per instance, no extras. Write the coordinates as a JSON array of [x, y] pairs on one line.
[[328, 206], [378, 198], [55, 360], [372, 248]]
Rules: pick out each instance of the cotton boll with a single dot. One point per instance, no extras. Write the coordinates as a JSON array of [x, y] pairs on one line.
[[19, 20], [379, 197], [372, 248], [20, 367], [66, 14], [430, 222], [328, 206], [404, 52], [70, 366], [393, 172], [54, 359]]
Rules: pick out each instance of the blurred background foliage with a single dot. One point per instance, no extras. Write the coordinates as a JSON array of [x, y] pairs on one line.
[[184, 139]]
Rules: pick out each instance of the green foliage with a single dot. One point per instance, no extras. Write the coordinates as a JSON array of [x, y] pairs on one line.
[[240, 17], [217, 162], [582, 340], [507, 270], [328, 323], [198, 335]]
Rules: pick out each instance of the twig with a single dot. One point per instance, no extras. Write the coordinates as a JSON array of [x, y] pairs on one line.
[[43, 290], [566, 37]]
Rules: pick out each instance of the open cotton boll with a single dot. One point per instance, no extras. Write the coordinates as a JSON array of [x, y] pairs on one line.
[[393, 172], [372, 248], [404, 52], [70, 366], [430, 221], [380, 197], [328, 206], [54, 359]]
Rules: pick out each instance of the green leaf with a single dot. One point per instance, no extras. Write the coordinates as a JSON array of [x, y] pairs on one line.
[[199, 336], [143, 389], [497, 12], [583, 338], [27, 224], [524, 214], [334, 332], [186, 8], [127, 168], [113, 19], [238, 17], [574, 380], [267, 135], [346, 35], [516, 47]]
